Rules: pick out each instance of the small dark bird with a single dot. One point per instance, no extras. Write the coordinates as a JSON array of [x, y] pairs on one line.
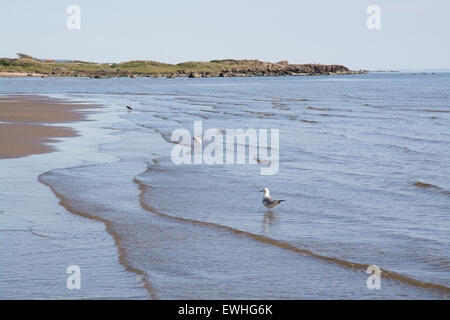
[[129, 108]]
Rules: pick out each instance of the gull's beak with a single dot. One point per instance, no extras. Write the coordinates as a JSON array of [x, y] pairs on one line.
[[261, 190]]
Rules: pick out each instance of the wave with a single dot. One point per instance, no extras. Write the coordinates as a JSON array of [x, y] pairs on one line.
[[430, 186], [211, 111], [144, 189], [438, 111], [277, 99], [319, 109], [292, 99], [260, 114], [160, 117], [72, 207], [66, 203], [295, 118], [196, 115], [280, 106]]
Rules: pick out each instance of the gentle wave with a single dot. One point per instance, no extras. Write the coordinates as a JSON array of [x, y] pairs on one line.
[[65, 202], [143, 188], [438, 111], [319, 109], [430, 186]]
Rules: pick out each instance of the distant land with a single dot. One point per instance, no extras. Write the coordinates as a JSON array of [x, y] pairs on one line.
[[26, 65]]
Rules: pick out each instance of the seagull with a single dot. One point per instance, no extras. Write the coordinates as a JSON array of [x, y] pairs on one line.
[[129, 108], [197, 140], [268, 201]]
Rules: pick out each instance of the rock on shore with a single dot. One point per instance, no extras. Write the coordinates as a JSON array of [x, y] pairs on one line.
[[143, 68]]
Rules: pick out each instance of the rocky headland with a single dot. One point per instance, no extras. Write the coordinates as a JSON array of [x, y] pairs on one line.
[[26, 65]]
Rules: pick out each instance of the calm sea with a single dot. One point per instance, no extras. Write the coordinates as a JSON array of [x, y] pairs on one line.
[[364, 171]]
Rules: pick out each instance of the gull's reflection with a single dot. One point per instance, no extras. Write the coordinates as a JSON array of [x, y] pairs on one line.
[[270, 218]]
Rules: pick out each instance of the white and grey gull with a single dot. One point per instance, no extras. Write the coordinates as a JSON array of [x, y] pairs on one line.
[[268, 201], [197, 140]]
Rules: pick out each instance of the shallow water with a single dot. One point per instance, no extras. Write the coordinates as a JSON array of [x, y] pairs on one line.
[[364, 169]]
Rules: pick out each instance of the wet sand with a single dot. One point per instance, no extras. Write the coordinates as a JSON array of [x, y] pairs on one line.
[[25, 124], [37, 233]]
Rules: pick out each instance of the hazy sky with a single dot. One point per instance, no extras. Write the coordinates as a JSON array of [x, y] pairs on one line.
[[413, 34]]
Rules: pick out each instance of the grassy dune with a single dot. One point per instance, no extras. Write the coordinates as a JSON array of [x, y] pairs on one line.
[[140, 68]]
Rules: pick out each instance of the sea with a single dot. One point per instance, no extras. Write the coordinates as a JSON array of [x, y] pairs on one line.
[[363, 164]]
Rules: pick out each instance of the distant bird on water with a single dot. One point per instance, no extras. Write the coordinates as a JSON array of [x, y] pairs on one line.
[[268, 201], [129, 108]]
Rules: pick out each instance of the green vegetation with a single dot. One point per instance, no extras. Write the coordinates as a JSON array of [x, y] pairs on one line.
[[140, 68]]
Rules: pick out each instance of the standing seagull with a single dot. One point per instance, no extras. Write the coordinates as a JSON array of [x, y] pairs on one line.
[[268, 201], [129, 108]]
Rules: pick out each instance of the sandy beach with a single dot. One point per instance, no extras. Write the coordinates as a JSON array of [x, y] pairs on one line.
[[25, 123], [19, 74], [39, 239]]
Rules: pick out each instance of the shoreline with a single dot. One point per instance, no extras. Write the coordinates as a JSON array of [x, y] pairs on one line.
[[25, 132], [19, 74], [122, 255], [38, 233], [34, 67], [189, 75]]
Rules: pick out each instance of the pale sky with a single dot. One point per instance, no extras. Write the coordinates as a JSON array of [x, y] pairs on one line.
[[413, 34]]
